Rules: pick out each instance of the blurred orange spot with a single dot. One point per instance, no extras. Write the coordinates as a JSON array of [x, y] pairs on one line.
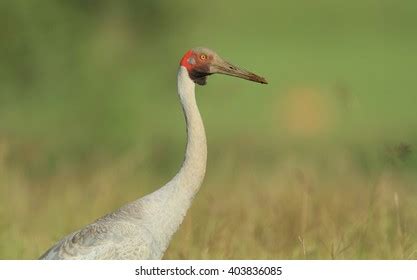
[[306, 112]]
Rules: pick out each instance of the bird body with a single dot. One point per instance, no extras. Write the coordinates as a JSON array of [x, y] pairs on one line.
[[143, 228]]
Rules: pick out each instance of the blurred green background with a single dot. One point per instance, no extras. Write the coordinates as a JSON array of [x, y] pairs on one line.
[[88, 85]]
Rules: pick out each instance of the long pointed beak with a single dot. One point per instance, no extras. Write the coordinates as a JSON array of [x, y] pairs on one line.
[[224, 67]]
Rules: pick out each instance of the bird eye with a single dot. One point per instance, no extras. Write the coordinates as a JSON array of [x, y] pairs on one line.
[[203, 56]]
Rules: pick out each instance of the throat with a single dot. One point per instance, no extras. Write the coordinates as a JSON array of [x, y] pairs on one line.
[[199, 75]]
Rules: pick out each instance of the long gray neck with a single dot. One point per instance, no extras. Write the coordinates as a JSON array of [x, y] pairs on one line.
[[150, 222], [163, 210], [193, 168]]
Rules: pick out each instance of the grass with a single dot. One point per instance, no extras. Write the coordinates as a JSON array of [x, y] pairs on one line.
[[291, 210]]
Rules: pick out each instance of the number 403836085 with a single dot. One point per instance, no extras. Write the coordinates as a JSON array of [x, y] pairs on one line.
[[254, 270]]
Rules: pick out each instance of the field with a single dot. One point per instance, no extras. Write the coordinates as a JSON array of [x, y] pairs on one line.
[[318, 164]]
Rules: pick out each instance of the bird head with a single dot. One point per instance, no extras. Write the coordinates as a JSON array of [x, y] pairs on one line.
[[202, 62]]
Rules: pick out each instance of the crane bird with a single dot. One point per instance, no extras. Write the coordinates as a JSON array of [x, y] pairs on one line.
[[143, 228]]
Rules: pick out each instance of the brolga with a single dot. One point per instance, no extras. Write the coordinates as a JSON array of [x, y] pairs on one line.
[[143, 228]]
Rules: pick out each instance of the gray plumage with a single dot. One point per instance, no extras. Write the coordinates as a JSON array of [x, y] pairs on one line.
[[143, 228]]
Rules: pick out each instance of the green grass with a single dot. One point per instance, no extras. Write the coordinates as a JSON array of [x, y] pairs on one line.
[[320, 163], [291, 209]]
